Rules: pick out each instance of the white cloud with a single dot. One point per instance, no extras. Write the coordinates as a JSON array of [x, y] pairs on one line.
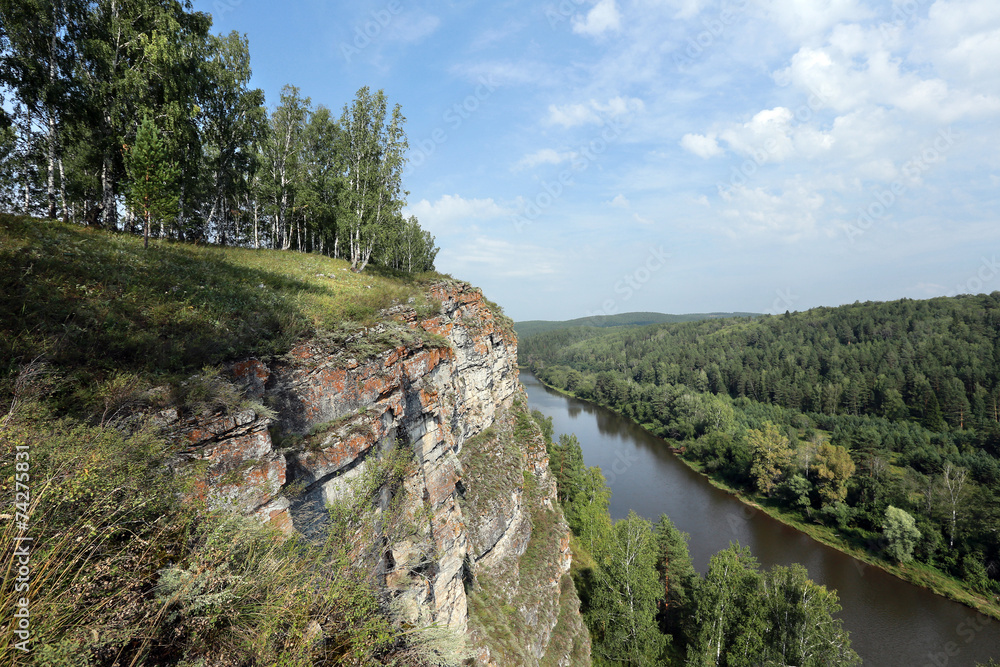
[[701, 145], [593, 112], [688, 8], [641, 220], [770, 136], [801, 19], [790, 214], [620, 202], [604, 17], [619, 106], [453, 211], [766, 137], [501, 259], [572, 115], [412, 27], [543, 156], [858, 70]]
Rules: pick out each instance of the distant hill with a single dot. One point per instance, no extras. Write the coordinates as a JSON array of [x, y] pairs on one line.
[[533, 327]]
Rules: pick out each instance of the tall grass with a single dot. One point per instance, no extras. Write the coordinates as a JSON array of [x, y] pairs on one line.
[[124, 573]]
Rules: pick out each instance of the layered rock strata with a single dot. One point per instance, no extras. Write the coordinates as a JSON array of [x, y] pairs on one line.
[[479, 502]]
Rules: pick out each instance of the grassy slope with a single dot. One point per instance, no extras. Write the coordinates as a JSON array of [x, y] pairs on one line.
[[915, 573], [123, 572], [95, 304], [533, 327]]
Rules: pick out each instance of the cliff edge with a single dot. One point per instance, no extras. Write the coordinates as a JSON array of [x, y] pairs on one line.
[[476, 540]]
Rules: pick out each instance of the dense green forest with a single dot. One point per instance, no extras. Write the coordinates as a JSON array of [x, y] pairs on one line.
[[134, 117], [881, 420], [645, 604], [533, 327]]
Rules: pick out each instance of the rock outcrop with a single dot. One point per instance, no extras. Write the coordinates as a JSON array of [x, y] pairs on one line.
[[485, 550]]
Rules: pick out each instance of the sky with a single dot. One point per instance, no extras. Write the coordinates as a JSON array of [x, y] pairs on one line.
[[583, 157]]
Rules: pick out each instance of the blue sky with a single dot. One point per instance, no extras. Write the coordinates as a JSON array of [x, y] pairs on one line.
[[578, 157]]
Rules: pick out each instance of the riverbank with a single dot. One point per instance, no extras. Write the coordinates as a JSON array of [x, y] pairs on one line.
[[917, 574]]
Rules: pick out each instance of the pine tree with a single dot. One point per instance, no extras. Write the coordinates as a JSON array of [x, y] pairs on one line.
[[152, 188]]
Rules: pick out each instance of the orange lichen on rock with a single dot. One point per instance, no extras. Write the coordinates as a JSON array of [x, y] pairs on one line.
[[337, 412]]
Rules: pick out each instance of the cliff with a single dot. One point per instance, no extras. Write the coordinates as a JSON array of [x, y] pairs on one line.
[[472, 537]]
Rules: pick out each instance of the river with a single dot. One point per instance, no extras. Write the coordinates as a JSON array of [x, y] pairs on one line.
[[892, 623]]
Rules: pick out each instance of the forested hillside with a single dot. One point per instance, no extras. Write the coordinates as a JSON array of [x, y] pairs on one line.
[[865, 417], [134, 117], [533, 327]]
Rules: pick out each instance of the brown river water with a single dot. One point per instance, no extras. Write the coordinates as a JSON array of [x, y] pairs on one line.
[[891, 621]]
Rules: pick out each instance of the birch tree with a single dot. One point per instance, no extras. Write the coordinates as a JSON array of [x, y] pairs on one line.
[[322, 181], [953, 480], [36, 62], [136, 58], [772, 455], [625, 595], [374, 151], [900, 530], [748, 618], [282, 157], [232, 121]]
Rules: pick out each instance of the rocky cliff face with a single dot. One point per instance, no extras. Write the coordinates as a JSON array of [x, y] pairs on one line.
[[485, 550]]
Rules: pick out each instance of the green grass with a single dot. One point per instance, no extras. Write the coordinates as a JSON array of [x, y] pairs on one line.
[[94, 304]]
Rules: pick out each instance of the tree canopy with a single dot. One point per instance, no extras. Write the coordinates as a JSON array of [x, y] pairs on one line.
[[82, 77], [836, 413]]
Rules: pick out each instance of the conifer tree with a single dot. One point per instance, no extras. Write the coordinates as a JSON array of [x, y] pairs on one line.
[[152, 189]]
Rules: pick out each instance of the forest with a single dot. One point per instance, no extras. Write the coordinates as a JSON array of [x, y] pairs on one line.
[[135, 117], [645, 605], [879, 420]]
